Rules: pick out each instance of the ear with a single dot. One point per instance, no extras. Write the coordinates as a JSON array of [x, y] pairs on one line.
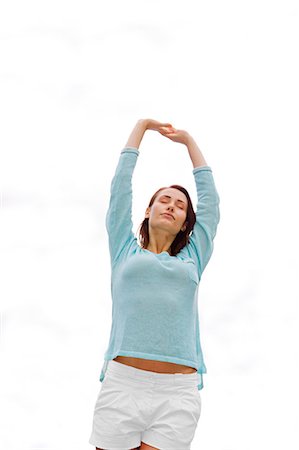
[[184, 226], [147, 212]]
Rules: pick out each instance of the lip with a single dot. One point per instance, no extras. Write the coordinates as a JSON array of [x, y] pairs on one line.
[[168, 215]]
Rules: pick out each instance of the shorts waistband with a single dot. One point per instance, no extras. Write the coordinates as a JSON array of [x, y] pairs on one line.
[[117, 368]]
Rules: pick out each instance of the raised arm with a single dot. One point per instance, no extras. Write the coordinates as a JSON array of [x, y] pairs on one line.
[[183, 137], [195, 154], [137, 133], [201, 244], [200, 247], [119, 215]]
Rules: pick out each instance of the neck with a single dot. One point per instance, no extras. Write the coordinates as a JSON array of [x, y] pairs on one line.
[[158, 247]]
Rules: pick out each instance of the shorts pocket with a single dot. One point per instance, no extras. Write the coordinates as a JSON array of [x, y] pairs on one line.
[[114, 410], [191, 402], [198, 399]]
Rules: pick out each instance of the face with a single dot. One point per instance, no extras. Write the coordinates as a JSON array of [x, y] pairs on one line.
[[171, 201]]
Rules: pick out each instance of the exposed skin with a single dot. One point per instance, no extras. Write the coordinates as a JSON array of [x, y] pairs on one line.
[[167, 130], [163, 228]]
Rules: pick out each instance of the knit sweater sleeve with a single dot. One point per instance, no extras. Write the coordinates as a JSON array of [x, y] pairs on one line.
[[119, 215], [200, 246]]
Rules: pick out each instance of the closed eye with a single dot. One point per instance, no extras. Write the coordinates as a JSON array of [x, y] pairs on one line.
[[164, 200]]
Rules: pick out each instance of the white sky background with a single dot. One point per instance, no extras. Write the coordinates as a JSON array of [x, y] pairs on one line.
[[74, 79]]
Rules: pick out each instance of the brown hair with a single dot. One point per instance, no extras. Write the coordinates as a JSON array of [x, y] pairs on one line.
[[182, 237]]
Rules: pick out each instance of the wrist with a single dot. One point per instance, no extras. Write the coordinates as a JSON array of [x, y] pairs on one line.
[[143, 123], [188, 139], [137, 133]]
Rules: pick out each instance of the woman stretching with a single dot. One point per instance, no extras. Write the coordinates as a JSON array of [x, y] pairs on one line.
[[153, 367]]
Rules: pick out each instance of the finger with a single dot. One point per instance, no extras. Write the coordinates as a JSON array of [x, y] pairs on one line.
[[170, 131]]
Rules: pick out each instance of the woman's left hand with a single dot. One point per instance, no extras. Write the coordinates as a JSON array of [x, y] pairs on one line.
[[175, 135]]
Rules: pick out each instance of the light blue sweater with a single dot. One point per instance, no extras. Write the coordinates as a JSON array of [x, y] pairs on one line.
[[154, 296]]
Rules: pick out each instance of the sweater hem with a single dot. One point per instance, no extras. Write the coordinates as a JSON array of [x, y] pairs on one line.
[[200, 371], [142, 355]]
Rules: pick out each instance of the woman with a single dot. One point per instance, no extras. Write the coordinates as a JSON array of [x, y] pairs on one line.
[[152, 374]]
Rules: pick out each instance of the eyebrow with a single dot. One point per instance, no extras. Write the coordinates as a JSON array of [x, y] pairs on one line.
[[168, 196]]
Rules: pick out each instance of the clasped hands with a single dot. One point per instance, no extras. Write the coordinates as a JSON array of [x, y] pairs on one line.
[[167, 130]]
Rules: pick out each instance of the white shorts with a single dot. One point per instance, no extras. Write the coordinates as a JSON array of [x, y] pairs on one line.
[[134, 405]]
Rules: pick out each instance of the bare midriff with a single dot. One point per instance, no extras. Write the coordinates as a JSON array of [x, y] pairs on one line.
[[154, 366]]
